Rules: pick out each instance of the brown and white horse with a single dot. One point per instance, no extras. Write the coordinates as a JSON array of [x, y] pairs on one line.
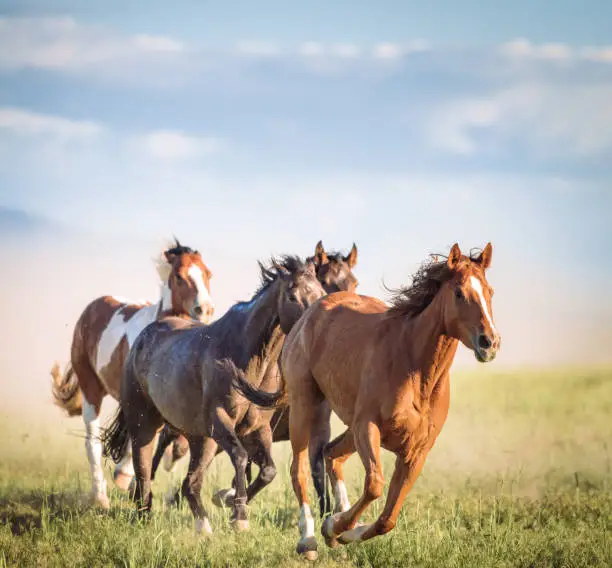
[[102, 338], [385, 372]]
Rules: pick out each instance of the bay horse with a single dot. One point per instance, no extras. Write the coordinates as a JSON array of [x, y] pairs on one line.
[[334, 272], [177, 373], [103, 335], [385, 372]]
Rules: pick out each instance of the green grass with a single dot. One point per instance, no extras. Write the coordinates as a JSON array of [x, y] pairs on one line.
[[520, 476]]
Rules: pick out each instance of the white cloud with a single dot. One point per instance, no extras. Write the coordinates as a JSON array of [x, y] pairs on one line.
[[26, 123], [172, 146], [345, 51], [388, 51], [64, 44], [257, 49], [311, 48], [569, 119]]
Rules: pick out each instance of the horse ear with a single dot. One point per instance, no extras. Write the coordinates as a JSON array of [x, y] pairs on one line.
[[280, 269], [320, 256], [351, 259], [170, 256], [484, 259], [454, 257]]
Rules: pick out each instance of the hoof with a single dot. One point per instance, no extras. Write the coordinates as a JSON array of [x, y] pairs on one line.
[[100, 501], [224, 498], [307, 548], [240, 525], [123, 480], [327, 530], [353, 535], [203, 528]]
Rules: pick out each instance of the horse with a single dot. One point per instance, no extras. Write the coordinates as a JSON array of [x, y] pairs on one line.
[[103, 335], [384, 370], [181, 374], [334, 271]]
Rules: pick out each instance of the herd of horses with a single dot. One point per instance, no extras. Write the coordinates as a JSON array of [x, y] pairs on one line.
[[273, 369]]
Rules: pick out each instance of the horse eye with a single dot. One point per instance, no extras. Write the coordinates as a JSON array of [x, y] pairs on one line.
[[459, 293]]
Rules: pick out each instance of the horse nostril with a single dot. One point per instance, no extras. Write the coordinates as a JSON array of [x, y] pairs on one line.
[[484, 342], [197, 310]]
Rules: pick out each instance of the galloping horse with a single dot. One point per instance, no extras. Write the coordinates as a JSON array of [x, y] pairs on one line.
[[334, 272], [176, 373], [102, 337], [385, 373]]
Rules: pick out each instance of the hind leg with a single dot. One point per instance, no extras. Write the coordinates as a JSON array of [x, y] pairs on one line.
[[226, 437], [304, 402], [203, 451], [93, 393], [143, 443], [319, 438], [336, 453], [260, 444]]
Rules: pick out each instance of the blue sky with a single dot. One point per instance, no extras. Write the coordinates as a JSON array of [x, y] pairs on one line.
[[262, 127]]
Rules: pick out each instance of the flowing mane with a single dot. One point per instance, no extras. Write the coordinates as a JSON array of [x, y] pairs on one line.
[[269, 274], [411, 300]]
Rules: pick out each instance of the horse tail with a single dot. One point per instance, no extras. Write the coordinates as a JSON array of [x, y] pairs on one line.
[[66, 390], [243, 383], [115, 437]]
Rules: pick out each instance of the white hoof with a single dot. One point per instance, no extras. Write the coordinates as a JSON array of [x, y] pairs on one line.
[[354, 535], [224, 497], [203, 528]]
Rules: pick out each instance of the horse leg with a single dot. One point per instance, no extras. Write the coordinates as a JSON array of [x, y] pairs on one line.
[[124, 470], [180, 447], [202, 452], [318, 440], [300, 426], [367, 441], [336, 453], [404, 476], [93, 393], [166, 438], [144, 438], [226, 437], [262, 456]]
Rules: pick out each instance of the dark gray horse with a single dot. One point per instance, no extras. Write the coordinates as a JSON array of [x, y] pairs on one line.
[[334, 272], [180, 373]]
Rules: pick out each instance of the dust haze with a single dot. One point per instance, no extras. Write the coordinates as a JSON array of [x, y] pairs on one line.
[[48, 280]]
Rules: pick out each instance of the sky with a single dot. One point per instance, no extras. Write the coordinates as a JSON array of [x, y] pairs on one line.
[[250, 129]]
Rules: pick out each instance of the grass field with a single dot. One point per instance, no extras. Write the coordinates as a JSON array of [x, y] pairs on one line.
[[520, 476]]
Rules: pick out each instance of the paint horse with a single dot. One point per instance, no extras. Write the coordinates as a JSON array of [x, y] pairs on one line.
[[385, 373], [103, 335], [177, 373], [334, 272]]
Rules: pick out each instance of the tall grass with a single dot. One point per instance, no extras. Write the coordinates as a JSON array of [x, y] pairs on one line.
[[520, 476]]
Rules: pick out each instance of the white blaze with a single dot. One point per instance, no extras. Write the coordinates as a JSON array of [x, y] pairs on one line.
[[478, 288], [195, 272]]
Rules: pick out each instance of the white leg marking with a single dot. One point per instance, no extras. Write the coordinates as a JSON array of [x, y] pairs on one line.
[[341, 497], [306, 522], [124, 471], [93, 446], [202, 526], [478, 288]]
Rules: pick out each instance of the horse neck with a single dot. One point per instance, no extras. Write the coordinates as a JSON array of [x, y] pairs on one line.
[[431, 351], [262, 324]]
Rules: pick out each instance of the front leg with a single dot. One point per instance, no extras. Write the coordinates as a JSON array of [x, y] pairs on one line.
[[366, 436], [404, 476]]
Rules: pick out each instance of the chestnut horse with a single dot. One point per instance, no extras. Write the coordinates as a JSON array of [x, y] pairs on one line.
[[385, 372], [102, 337], [177, 373], [334, 272]]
